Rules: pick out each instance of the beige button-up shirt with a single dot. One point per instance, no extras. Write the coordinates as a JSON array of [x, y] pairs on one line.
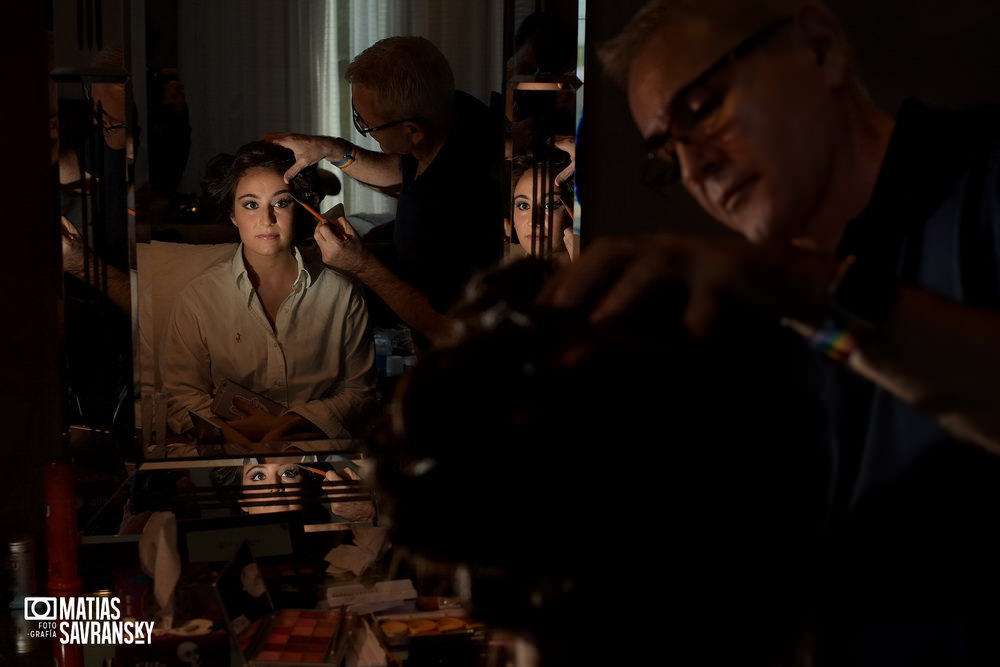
[[318, 361]]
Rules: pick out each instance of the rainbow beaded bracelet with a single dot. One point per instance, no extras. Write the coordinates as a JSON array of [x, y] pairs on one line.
[[348, 159]]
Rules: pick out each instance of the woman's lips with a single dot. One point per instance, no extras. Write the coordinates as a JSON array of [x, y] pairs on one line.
[[267, 237]]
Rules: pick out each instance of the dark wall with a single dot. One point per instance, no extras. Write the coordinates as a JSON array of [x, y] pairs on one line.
[[946, 52]]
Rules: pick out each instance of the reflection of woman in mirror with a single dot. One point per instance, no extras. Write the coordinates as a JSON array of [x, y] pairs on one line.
[[542, 223], [268, 485], [272, 318]]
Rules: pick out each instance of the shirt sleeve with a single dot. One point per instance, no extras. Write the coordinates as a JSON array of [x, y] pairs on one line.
[[185, 364]]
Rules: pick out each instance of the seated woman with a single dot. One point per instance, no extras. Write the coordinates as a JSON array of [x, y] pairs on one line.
[[542, 207], [272, 318]]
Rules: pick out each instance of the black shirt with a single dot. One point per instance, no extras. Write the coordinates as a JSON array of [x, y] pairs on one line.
[[915, 565], [449, 221]]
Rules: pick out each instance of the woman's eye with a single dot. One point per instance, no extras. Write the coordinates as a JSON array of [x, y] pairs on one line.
[[522, 206], [553, 205], [258, 477], [250, 205], [283, 203], [291, 473]]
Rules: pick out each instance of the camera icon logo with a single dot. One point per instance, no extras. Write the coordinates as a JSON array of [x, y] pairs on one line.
[[41, 609]]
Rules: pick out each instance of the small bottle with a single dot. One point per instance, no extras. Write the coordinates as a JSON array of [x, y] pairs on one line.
[[383, 348], [20, 567]]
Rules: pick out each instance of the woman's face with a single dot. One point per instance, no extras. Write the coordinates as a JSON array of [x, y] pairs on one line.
[[277, 475], [264, 212], [549, 205]]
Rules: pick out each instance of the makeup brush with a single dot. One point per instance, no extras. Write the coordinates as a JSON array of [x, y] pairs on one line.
[[336, 226]]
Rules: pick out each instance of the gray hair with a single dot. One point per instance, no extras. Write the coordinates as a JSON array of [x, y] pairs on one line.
[[735, 16], [409, 76]]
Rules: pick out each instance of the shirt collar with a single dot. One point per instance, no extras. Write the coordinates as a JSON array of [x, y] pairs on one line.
[[307, 274]]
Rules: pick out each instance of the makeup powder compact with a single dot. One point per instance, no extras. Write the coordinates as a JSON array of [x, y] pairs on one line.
[[267, 637]]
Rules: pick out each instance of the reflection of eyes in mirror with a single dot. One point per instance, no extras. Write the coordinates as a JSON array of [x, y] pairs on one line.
[[273, 477], [540, 212], [325, 492]]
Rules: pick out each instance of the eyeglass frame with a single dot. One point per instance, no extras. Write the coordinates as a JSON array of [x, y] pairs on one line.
[[100, 113], [655, 143], [365, 131]]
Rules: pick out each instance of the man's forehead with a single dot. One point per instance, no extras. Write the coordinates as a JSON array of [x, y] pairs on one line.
[[671, 57]]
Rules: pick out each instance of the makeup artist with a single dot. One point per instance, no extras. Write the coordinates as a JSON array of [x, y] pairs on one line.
[[441, 149], [272, 318], [876, 238]]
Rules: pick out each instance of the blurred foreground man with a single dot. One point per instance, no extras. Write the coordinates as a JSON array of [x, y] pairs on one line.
[[873, 235]]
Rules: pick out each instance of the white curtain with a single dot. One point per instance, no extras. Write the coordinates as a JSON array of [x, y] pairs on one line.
[[255, 66]]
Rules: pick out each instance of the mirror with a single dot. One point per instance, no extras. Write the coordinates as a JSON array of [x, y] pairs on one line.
[[325, 491], [543, 106], [94, 137], [196, 91], [209, 91]]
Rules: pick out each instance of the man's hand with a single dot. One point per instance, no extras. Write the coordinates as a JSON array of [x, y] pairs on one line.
[[72, 249], [341, 246], [309, 149], [614, 273]]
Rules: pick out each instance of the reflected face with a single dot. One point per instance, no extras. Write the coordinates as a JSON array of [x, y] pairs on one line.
[[109, 98], [264, 212], [760, 155], [277, 475], [526, 209]]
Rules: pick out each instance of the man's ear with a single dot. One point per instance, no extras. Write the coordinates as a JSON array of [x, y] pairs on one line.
[[416, 131], [825, 38]]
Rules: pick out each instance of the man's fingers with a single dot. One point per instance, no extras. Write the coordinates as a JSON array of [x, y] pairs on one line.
[[295, 168]]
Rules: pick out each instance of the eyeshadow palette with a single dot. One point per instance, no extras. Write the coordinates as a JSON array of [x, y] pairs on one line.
[[399, 629], [297, 637], [276, 638]]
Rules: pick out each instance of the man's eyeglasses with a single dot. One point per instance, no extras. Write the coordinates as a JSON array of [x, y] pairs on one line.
[[364, 130], [111, 127], [691, 108]]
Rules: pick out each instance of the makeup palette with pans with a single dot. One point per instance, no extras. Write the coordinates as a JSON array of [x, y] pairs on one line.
[[267, 637]]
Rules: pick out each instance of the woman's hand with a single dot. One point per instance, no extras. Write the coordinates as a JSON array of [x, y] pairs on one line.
[[263, 427], [341, 246], [355, 510]]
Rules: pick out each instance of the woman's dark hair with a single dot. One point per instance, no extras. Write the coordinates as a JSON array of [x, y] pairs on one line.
[[224, 172], [547, 164]]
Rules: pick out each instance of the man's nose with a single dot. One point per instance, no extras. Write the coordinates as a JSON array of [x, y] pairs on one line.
[[698, 161]]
